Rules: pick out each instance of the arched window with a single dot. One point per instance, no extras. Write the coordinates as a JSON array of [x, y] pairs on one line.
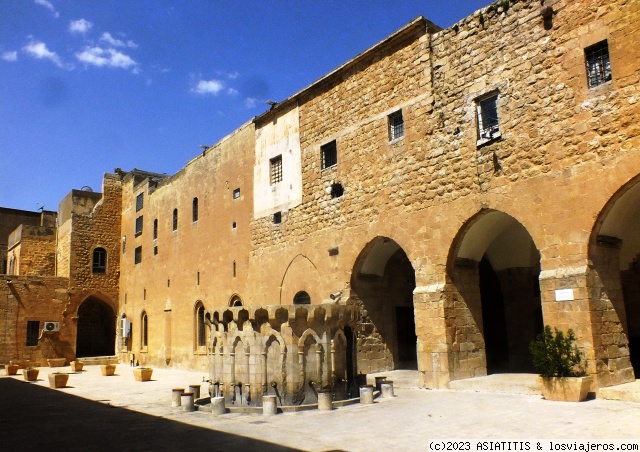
[[99, 260], [235, 300], [194, 210], [175, 219], [302, 297], [201, 332], [144, 332]]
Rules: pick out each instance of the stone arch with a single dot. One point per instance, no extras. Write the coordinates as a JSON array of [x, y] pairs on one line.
[[96, 329], [295, 279], [494, 268], [382, 284], [614, 256]]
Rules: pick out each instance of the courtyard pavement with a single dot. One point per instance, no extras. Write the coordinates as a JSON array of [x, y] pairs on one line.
[[117, 413]]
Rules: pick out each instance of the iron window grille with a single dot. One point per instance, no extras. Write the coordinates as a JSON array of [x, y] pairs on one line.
[[396, 125], [99, 260], [139, 225], [275, 169], [329, 154], [598, 64], [487, 113], [139, 201], [137, 258]]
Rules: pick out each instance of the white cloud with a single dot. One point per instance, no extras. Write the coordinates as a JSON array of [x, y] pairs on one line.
[[232, 92], [49, 6], [205, 87], [234, 75], [97, 56], [250, 102], [80, 26], [109, 39], [10, 56], [40, 51]]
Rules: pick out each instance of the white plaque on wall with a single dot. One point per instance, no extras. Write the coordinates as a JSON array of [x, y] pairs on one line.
[[564, 295]]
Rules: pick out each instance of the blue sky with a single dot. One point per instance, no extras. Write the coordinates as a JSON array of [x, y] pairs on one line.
[[90, 85]]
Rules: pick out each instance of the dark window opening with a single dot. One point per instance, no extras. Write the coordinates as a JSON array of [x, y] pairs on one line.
[[201, 332], [396, 125], [194, 210], [277, 218], [235, 301], [139, 201], [302, 297], [155, 229], [234, 225], [337, 190], [236, 193], [598, 64], [234, 269], [137, 258], [275, 169], [145, 331], [33, 331], [329, 154], [155, 250], [139, 225], [487, 115], [175, 219], [99, 260]]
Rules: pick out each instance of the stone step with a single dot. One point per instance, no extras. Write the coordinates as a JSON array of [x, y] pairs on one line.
[[499, 383], [627, 392], [404, 379], [98, 360]]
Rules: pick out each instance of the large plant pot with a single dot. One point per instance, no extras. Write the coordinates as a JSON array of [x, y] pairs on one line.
[[30, 374], [108, 369], [12, 369], [58, 380], [567, 389], [142, 373], [76, 366], [56, 362]]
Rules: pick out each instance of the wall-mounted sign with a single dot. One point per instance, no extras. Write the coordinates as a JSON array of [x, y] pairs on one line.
[[564, 295]]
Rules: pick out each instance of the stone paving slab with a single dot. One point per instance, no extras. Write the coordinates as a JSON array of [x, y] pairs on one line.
[[118, 413]]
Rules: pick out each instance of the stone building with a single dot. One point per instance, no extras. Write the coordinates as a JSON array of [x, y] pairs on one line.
[[429, 204]]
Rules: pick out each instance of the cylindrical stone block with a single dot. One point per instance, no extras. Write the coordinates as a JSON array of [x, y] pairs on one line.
[[187, 401], [269, 405], [176, 393], [379, 381], [196, 391], [325, 400], [366, 394], [217, 405], [386, 389]]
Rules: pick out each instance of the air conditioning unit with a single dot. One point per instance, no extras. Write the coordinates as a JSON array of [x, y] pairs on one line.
[[50, 327], [125, 328]]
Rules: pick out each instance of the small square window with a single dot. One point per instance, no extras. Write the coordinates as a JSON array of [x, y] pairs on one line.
[[598, 64], [137, 255], [139, 201], [396, 125], [139, 225], [329, 154], [236, 193], [487, 116], [99, 260], [275, 169], [277, 218]]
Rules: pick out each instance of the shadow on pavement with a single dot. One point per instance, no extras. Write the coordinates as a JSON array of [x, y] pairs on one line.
[[37, 418]]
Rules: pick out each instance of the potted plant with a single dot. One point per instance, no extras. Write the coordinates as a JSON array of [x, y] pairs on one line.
[[58, 380], [108, 369], [559, 362], [30, 373], [56, 362], [142, 373], [76, 366], [12, 369]]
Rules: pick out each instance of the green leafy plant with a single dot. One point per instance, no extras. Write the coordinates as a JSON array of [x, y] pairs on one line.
[[556, 355]]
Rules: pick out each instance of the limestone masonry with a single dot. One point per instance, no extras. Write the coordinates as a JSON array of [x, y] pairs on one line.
[[430, 205]]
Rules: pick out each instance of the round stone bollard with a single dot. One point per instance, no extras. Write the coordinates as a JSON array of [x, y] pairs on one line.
[[325, 400], [386, 389], [176, 393], [269, 405], [366, 394], [196, 391], [218, 406], [187, 401], [379, 381]]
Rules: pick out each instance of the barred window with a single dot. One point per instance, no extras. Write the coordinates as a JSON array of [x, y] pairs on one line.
[[137, 258], [396, 125], [139, 201], [275, 169], [139, 225], [487, 116], [99, 260], [598, 64], [329, 154]]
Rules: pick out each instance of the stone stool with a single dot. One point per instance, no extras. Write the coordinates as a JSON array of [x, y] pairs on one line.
[[196, 391], [379, 381], [187, 401], [325, 400], [218, 406], [366, 394], [176, 393], [269, 405], [386, 389]]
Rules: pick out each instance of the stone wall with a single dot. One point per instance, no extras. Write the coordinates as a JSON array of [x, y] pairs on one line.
[[33, 248]]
